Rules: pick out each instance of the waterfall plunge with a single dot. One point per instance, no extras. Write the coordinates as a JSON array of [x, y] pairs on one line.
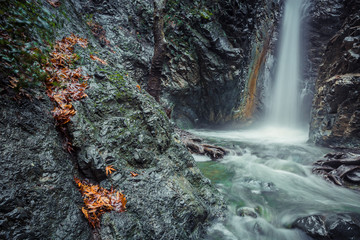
[[284, 109]]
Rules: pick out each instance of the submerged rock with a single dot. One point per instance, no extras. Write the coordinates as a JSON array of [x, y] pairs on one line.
[[313, 226], [246, 212]]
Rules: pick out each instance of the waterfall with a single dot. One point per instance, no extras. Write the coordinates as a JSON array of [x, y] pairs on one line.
[[284, 107]]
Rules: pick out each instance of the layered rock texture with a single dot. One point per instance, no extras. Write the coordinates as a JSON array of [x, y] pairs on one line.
[[38, 199], [336, 107], [212, 52], [324, 18], [217, 55], [118, 124]]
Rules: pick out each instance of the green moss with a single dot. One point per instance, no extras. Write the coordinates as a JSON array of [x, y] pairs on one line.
[[180, 18], [205, 13], [26, 29], [62, 10], [163, 114], [116, 77]]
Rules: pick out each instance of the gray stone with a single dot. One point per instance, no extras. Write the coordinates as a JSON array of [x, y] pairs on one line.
[[331, 226], [335, 111], [117, 124]]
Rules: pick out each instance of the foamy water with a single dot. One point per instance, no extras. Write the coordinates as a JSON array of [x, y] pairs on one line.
[[269, 171]]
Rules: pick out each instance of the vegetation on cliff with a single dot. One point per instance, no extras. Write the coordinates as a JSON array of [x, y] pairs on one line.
[[116, 125]]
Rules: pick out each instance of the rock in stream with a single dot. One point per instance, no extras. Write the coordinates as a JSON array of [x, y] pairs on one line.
[[331, 226]]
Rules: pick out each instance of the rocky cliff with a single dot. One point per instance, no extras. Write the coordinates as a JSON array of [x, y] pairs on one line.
[[322, 21], [216, 59], [118, 124], [219, 55], [335, 111]]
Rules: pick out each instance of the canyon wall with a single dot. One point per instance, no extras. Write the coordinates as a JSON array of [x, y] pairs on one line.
[[336, 106], [220, 56], [118, 124], [217, 54]]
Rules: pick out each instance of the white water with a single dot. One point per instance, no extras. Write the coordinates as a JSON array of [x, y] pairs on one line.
[[271, 175], [269, 169], [284, 106]]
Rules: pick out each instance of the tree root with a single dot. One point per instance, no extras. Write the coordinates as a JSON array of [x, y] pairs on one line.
[[342, 169], [195, 146]]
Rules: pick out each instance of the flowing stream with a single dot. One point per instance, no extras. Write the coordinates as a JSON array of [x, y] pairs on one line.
[[268, 175], [266, 179]]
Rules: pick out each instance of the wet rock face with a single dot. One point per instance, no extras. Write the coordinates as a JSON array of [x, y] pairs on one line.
[[324, 19], [122, 27], [38, 199], [335, 115], [169, 198], [208, 72], [335, 112], [342, 54], [210, 49], [332, 226], [118, 124]]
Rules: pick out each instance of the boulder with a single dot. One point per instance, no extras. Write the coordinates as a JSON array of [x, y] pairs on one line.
[[331, 226]]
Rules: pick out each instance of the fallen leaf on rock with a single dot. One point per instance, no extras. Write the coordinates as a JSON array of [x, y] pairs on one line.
[[54, 3], [64, 83], [99, 200], [98, 59], [109, 169], [13, 82]]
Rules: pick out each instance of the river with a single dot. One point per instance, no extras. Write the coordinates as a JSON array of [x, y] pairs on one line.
[[267, 177]]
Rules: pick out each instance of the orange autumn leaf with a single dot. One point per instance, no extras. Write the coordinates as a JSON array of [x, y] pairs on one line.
[[138, 86], [109, 169], [13, 82], [85, 212], [98, 59], [133, 174], [99, 200], [54, 3], [63, 84]]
